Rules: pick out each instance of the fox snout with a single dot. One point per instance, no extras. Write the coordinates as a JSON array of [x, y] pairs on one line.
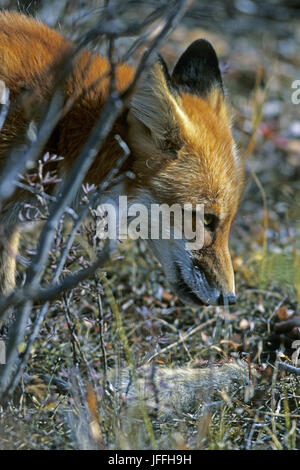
[[215, 266], [198, 278], [215, 288], [205, 283]]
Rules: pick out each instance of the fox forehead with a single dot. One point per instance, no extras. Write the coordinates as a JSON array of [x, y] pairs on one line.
[[207, 169]]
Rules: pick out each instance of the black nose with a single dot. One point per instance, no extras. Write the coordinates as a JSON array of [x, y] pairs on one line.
[[226, 299]]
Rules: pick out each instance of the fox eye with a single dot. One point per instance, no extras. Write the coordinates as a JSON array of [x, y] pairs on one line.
[[210, 222]]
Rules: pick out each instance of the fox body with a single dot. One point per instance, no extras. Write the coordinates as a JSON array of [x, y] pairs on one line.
[[177, 127]]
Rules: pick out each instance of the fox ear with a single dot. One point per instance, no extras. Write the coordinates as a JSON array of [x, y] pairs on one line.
[[155, 107], [197, 70]]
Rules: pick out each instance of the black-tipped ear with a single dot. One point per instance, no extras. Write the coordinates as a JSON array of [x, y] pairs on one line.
[[197, 70]]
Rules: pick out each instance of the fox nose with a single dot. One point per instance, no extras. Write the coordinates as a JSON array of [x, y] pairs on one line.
[[226, 299]]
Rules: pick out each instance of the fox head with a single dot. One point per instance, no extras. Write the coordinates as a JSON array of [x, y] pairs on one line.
[[183, 152]]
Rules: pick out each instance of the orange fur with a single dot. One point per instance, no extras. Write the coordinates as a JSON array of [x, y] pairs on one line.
[[30, 56]]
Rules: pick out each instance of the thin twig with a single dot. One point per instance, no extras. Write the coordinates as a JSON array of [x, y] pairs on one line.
[[288, 368], [182, 339], [39, 294], [101, 330]]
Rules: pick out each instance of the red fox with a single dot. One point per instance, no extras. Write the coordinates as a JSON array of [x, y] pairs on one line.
[[177, 127]]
